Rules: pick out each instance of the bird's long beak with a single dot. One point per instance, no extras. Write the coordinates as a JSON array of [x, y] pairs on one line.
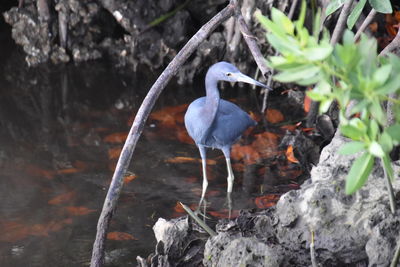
[[246, 79]]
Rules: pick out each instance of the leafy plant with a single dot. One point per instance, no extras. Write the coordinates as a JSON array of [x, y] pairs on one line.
[[347, 72], [381, 6]]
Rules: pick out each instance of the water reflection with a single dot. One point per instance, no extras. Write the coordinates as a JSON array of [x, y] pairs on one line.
[[61, 130]]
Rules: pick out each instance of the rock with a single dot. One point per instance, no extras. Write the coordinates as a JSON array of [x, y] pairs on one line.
[[177, 244], [228, 250], [355, 230]]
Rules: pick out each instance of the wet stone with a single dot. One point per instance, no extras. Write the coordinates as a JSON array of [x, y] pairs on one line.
[[348, 230]]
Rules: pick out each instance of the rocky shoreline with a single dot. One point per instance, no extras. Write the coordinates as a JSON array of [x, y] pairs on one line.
[[355, 230]]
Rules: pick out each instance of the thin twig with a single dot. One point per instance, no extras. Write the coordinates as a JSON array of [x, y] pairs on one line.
[[396, 256], [251, 42], [292, 8], [269, 81], [203, 225], [138, 125], [312, 251], [395, 43], [341, 23], [365, 23], [389, 186], [391, 116]]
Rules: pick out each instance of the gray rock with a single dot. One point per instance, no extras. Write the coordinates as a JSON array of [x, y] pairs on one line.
[[355, 230], [228, 250]]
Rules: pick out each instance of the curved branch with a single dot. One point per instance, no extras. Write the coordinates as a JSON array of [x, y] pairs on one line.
[[251, 42], [138, 125], [341, 23], [365, 23]]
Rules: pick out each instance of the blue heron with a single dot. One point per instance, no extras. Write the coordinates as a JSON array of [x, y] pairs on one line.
[[216, 123]]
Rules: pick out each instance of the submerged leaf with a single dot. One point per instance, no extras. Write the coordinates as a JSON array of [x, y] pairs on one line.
[[290, 155]]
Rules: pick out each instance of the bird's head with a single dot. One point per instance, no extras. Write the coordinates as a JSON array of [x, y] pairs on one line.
[[224, 71]]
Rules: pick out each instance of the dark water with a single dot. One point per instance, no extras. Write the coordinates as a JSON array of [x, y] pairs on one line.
[[61, 131]]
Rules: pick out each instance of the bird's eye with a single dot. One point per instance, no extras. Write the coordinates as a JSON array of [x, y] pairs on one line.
[[229, 74]]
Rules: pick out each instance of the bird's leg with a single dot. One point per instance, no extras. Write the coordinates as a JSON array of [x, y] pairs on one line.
[[230, 178], [204, 166]]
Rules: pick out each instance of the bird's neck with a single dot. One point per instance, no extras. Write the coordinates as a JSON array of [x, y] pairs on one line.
[[212, 97]]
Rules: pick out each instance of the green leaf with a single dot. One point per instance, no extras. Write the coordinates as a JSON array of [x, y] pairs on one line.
[[316, 96], [377, 111], [325, 104], [359, 106], [348, 38], [269, 25], [386, 142], [391, 86], [283, 45], [333, 6], [355, 14], [394, 132], [317, 23], [282, 20], [302, 15], [308, 81], [373, 129], [355, 129], [382, 74], [282, 63], [351, 148], [295, 74], [382, 6], [387, 164], [376, 149], [318, 53], [359, 173]]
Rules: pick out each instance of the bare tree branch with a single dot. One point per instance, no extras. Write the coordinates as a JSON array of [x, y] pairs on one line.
[[138, 125], [341, 23], [251, 42], [395, 43], [269, 81], [365, 23]]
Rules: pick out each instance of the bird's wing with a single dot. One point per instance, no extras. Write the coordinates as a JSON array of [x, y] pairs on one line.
[[230, 123]]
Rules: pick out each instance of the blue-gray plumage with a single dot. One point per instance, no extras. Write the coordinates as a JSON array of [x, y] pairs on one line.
[[216, 123]]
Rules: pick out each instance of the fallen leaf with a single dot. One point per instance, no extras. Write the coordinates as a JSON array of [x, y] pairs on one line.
[[224, 214], [80, 165], [246, 153], [39, 172], [307, 103], [191, 180], [266, 144], [189, 159], [255, 116], [78, 211], [129, 178], [13, 231], [290, 155], [274, 116], [184, 137], [68, 171], [178, 208], [116, 137], [266, 201], [373, 27], [120, 236], [60, 199], [114, 152]]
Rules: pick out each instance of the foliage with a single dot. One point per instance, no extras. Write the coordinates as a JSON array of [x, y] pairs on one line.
[[381, 6], [347, 72]]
